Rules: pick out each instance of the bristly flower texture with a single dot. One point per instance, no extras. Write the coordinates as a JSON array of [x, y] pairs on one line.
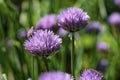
[[72, 19], [55, 75], [91, 75], [43, 42], [47, 22]]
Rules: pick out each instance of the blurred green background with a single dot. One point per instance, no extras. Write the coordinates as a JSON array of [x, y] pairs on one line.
[[16, 62]]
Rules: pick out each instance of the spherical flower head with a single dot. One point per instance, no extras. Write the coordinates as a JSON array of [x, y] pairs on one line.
[[73, 19], [22, 33], [43, 42], [47, 22], [114, 19], [91, 75], [102, 46], [94, 27], [55, 75], [117, 2]]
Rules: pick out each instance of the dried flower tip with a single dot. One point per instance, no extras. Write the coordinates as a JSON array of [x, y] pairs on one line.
[[30, 32]]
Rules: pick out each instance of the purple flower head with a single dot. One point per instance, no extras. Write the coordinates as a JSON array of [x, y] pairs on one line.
[[22, 33], [102, 46], [91, 75], [114, 19], [102, 65], [62, 32], [47, 22], [94, 27], [72, 19], [43, 43], [55, 75], [117, 2]]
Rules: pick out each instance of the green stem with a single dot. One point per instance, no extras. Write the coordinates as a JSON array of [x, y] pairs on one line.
[[72, 55], [30, 12], [46, 64], [33, 68]]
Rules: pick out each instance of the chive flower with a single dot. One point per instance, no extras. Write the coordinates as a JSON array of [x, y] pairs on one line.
[[43, 42], [114, 19], [72, 19], [91, 75], [47, 22], [55, 75], [102, 46], [94, 27], [117, 2]]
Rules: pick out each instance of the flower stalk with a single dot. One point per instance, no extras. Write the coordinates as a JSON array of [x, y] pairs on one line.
[[33, 69], [72, 54], [46, 64]]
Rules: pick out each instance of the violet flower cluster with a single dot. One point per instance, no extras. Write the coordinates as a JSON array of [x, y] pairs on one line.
[[117, 2], [43, 42], [114, 19], [47, 22], [55, 75], [73, 19], [91, 75], [94, 27], [102, 46]]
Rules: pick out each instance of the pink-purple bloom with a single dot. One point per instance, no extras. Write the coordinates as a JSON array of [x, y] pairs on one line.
[[72, 19], [91, 75], [94, 27], [47, 22], [102, 46], [55, 75], [114, 19], [43, 42], [117, 2]]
